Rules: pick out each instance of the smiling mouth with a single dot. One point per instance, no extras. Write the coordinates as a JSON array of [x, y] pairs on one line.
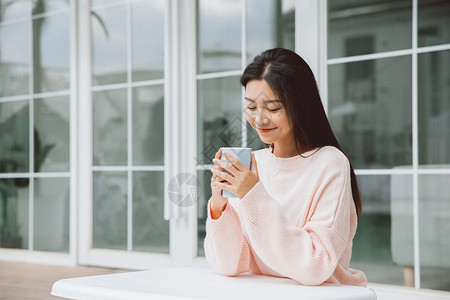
[[264, 130]]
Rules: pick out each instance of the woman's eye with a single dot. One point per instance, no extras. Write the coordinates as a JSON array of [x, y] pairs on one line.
[[274, 110], [251, 108]]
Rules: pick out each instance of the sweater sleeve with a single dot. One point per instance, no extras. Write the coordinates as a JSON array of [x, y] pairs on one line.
[[309, 254], [226, 248]]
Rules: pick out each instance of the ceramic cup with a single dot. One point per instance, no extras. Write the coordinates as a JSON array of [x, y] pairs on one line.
[[244, 155]]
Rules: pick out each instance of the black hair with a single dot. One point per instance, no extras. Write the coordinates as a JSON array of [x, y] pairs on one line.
[[292, 80]]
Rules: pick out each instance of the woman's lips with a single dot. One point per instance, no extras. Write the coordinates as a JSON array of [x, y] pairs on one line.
[[265, 130]]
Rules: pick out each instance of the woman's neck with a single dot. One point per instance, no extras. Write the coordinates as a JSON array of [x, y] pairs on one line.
[[284, 152]]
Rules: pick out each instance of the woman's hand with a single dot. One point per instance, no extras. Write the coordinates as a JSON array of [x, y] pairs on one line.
[[218, 202], [240, 180]]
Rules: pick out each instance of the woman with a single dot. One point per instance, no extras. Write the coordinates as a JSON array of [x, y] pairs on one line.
[[296, 210]]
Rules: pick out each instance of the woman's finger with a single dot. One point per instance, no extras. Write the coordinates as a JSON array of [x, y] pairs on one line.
[[223, 176], [233, 160], [224, 165]]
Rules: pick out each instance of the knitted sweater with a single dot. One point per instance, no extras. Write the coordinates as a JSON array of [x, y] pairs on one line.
[[298, 221]]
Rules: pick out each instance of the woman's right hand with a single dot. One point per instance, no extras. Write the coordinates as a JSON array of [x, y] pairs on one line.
[[218, 202]]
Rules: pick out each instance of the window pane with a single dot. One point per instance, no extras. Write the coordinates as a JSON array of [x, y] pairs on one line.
[[51, 53], [219, 35], [219, 116], [13, 9], [14, 137], [383, 244], [52, 134], [110, 210], [370, 111], [109, 45], [270, 24], [150, 230], [51, 214], [434, 220], [433, 22], [15, 59], [434, 108], [40, 7], [148, 125], [110, 127], [202, 205], [371, 26], [148, 39], [14, 213]]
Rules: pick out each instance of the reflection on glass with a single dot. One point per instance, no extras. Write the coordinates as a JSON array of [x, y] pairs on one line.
[[148, 125], [219, 35], [14, 59], [51, 214], [110, 210], [13, 9], [109, 45], [220, 109], [110, 127], [40, 7], [14, 137], [150, 230], [433, 22], [51, 53], [202, 205], [383, 245], [269, 24], [372, 26], [147, 39], [52, 134], [434, 108], [14, 213], [434, 220], [370, 111]]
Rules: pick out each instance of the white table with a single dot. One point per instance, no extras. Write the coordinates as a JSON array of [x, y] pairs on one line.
[[190, 283]]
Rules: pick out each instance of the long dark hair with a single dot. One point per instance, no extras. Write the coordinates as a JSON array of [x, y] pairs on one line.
[[291, 79]]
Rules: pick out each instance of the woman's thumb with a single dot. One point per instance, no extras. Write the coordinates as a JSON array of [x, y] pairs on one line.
[[254, 167]]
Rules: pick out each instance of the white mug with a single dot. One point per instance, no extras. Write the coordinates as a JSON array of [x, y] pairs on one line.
[[244, 155]]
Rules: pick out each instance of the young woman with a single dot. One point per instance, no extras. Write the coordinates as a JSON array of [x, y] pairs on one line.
[[296, 210]]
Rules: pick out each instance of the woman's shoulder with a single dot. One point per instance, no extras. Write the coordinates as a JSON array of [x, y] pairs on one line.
[[331, 156]]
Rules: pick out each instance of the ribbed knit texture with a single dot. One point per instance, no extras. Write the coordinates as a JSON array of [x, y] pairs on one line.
[[298, 222]]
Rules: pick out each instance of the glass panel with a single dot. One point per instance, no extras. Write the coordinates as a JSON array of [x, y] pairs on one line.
[[371, 26], [52, 134], [40, 7], [14, 59], [434, 220], [433, 22], [51, 214], [51, 53], [148, 125], [14, 137], [205, 185], [219, 35], [370, 111], [105, 2], [109, 45], [13, 9], [110, 210], [14, 212], [220, 116], [147, 39], [270, 24], [150, 230], [434, 108], [383, 244], [110, 127]]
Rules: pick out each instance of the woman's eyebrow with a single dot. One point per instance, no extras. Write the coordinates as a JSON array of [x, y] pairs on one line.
[[265, 101]]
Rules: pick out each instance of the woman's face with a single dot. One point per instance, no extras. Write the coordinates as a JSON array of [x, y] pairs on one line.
[[266, 114]]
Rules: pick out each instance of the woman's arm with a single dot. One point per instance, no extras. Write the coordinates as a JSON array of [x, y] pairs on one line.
[[226, 248]]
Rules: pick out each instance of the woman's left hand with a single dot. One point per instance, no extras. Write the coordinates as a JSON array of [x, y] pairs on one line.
[[240, 180]]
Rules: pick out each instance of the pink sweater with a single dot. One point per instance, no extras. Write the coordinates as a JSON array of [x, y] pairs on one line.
[[298, 222]]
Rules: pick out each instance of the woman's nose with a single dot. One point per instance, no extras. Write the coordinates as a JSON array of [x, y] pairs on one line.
[[261, 118]]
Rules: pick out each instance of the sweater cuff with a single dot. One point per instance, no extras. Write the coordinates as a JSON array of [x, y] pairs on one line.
[[252, 202], [228, 216]]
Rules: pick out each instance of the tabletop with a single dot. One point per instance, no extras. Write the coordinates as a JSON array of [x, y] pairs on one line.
[[196, 283]]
